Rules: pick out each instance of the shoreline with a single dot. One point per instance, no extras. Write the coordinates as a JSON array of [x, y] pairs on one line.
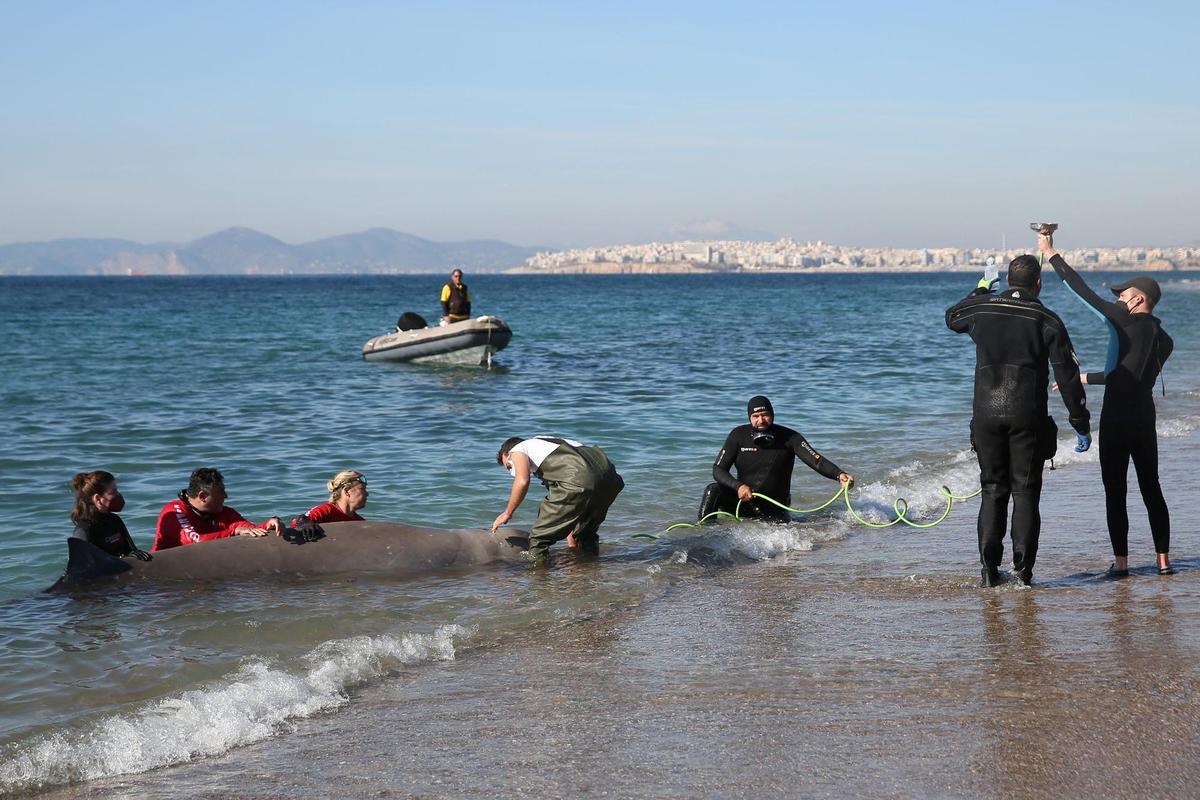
[[690, 268]]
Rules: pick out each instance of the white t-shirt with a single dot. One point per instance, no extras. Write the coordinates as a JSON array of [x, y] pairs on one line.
[[537, 449]]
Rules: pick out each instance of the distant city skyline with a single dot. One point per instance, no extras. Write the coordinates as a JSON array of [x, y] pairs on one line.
[[930, 125]]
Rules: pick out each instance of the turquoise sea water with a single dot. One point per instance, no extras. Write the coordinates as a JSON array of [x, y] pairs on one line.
[[262, 378]]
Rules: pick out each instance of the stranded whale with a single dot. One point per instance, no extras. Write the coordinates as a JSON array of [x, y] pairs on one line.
[[346, 548]]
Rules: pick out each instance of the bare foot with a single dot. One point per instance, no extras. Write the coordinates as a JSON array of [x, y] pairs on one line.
[[571, 540]]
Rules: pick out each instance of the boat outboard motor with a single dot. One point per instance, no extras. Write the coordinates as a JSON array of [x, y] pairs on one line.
[[411, 321]]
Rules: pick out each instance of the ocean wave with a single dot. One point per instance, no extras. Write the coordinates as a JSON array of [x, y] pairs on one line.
[[1178, 426], [920, 483], [755, 540], [252, 705]]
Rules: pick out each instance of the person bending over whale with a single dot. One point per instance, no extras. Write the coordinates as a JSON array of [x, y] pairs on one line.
[[582, 485], [1138, 348], [347, 494], [200, 514], [97, 503], [763, 454]]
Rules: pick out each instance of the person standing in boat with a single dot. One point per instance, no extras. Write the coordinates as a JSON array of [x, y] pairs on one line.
[[582, 485], [347, 494], [456, 299], [97, 502]]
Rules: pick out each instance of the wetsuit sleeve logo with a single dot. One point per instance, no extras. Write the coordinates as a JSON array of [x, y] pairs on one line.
[[187, 531]]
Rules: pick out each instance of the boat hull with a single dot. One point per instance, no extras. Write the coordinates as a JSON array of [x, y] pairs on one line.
[[471, 341]]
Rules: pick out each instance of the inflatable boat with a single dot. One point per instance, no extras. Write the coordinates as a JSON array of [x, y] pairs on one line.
[[472, 341]]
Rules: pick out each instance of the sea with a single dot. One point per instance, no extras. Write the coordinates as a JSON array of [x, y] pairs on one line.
[[824, 658]]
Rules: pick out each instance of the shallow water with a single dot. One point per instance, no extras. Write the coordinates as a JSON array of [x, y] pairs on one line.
[[819, 658]]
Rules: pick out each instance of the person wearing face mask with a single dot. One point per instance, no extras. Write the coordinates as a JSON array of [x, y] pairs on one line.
[[97, 503], [199, 514], [581, 482], [763, 454], [1137, 349], [347, 494]]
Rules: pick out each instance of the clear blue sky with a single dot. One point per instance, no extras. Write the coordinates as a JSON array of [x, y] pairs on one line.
[[870, 123]]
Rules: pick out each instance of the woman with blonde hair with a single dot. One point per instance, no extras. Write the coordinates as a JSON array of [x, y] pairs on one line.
[[97, 501], [347, 494]]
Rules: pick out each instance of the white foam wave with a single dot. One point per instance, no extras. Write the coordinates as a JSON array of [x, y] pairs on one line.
[[1178, 426], [920, 484], [759, 540], [764, 540], [252, 705]]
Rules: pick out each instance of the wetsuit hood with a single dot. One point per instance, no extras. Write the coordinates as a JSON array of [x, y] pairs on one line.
[[759, 403]]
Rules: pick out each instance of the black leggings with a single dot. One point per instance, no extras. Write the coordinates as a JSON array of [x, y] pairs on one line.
[[1125, 435], [1009, 468]]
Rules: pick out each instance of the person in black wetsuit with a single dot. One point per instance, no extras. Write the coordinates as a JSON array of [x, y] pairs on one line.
[[97, 501], [1137, 349], [1015, 335], [763, 454]]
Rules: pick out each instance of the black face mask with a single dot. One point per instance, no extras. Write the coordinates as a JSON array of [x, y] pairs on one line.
[[763, 439]]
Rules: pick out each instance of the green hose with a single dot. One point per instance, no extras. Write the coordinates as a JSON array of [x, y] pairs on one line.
[[900, 506]]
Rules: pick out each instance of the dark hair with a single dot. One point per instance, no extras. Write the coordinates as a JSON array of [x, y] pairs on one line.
[[85, 485], [204, 479], [509, 444], [1024, 271]]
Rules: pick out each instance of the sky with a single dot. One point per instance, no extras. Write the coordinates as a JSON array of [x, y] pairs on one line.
[[561, 124]]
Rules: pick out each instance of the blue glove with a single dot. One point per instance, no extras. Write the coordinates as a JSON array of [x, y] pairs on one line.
[[1083, 442]]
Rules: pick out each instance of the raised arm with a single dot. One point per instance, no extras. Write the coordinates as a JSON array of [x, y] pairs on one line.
[[1078, 287]]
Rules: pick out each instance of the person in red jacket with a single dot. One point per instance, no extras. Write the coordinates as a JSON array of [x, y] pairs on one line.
[[347, 494], [200, 514]]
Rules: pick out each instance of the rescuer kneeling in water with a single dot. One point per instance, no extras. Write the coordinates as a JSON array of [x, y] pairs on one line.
[[582, 484], [763, 454]]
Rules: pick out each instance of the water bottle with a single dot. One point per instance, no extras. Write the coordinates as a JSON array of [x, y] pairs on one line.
[[992, 271]]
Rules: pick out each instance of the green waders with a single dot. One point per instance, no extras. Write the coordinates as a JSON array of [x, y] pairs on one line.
[[582, 484]]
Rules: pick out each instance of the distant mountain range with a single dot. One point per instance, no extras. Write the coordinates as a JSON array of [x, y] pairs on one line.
[[241, 251]]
